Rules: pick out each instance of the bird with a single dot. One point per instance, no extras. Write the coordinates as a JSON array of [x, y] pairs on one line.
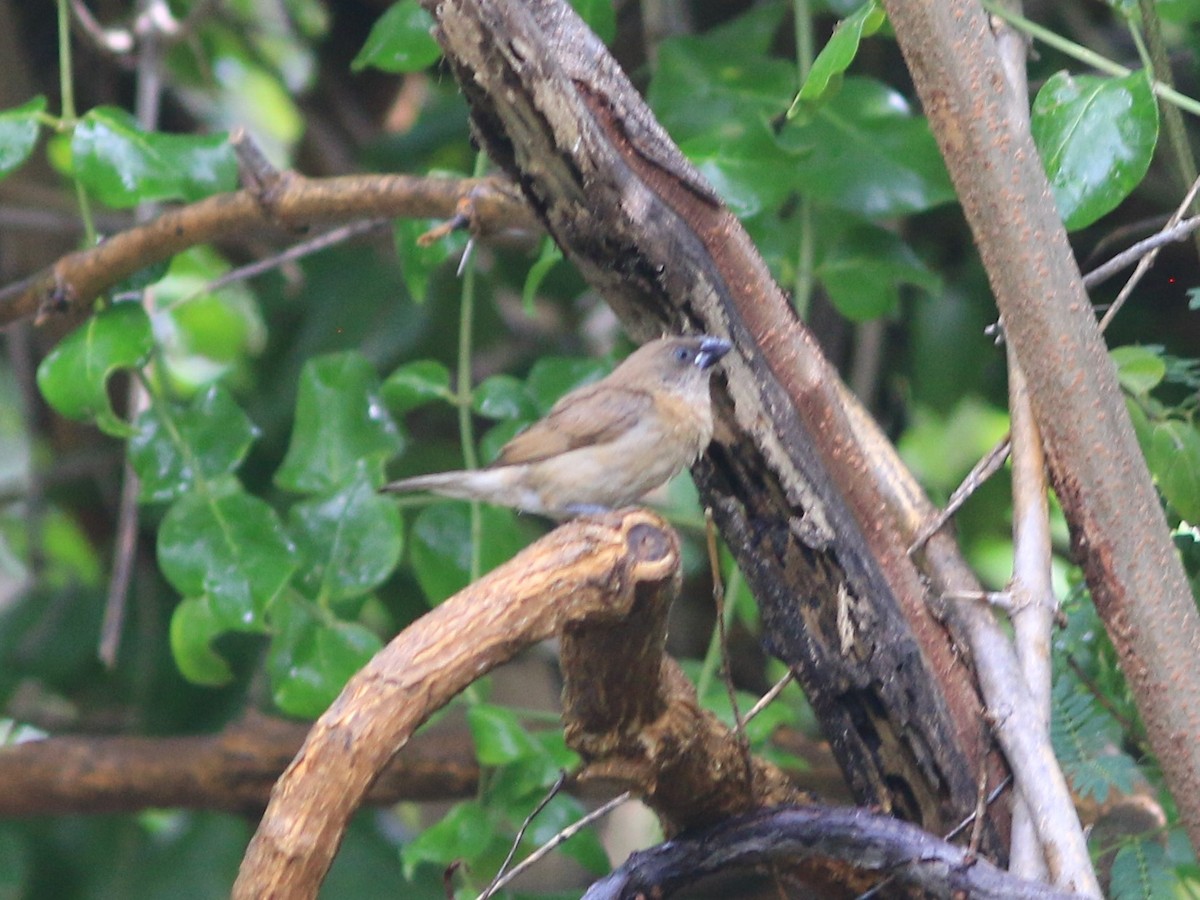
[[604, 445]]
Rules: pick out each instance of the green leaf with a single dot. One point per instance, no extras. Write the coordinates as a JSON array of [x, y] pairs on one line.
[[722, 80], [584, 847], [349, 542], [340, 421], [441, 545], [226, 545], [464, 833], [194, 626], [494, 440], [418, 262], [399, 41], [74, 375], [19, 129], [174, 448], [415, 384], [864, 266], [865, 152], [744, 162], [499, 736], [123, 165], [1139, 369], [502, 397], [1141, 871], [202, 334], [1174, 458], [1096, 137], [553, 376], [548, 257], [599, 16], [825, 76], [311, 660]]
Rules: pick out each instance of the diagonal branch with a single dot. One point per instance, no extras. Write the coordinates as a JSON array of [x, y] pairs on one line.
[[294, 204]]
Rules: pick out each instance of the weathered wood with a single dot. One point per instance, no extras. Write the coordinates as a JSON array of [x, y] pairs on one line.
[[867, 850], [596, 568]]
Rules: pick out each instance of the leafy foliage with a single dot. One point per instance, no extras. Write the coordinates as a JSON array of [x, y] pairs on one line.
[[275, 408]]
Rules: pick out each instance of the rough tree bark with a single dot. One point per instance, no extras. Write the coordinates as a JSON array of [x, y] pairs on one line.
[[1118, 530]]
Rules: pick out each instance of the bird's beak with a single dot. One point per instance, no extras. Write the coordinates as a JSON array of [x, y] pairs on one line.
[[711, 351]]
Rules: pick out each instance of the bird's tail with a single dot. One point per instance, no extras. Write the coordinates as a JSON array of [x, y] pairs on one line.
[[489, 485]]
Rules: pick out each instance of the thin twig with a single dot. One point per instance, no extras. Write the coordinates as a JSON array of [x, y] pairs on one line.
[[1148, 260], [561, 838], [988, 466], [1145, 252], [512, 851], [769, 697], [296, 251], [1171, 233]]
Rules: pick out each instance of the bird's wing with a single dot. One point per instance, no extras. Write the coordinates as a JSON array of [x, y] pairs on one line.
[[592, 415]]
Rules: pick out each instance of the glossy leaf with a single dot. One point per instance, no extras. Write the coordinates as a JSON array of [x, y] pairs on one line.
[[745, 164], [584, 847], [415, 384], [124, 165], [228, 546], [419, 261], [1096, 136], [825, 75], [441, 545], [1139, 369], [499, 736], [599, 16], [400, 41], [194, 626], [311, 660], [494, 439], [553, 376], [722, 80], [174, 447], [464, 833], [865, 152], [1174, 458], [864, 266], [349, 541], [203, 334], [19, 129], [74, 375], [503, 397], [340, 421]]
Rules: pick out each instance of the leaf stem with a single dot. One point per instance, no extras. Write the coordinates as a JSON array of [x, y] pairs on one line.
[[69, 119], [1086, 56], [466, 431]]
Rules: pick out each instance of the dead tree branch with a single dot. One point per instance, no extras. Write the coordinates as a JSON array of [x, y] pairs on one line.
[[600, 569], [865, 847], [293, 204], [231, 771]]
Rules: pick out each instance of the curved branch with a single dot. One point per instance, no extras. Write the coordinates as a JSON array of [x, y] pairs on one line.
[[293, 203], [591, 568], [862, 847]]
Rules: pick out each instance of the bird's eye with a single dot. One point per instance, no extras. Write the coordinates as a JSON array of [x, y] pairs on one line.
[[683, 354]]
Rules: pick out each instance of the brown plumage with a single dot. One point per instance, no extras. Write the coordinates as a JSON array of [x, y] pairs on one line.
[[604, 445]]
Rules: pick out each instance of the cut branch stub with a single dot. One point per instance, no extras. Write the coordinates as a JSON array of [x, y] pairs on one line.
[[589, 569]]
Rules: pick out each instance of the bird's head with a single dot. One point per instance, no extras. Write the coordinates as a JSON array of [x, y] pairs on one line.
[[676, 363]]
